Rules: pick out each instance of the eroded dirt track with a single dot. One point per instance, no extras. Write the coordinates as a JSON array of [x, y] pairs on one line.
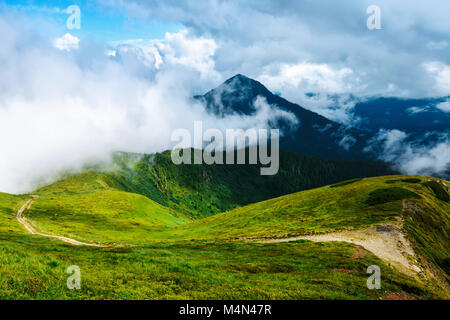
[[386, 241], [24, 221]]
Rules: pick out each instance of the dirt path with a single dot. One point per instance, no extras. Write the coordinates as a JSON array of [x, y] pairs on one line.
[[386, 241], [25, 222]]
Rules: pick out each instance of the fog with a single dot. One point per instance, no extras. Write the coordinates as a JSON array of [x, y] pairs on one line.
[[62, 106]]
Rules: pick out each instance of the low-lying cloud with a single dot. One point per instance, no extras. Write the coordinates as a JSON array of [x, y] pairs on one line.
[[60, 109], [412, 156]]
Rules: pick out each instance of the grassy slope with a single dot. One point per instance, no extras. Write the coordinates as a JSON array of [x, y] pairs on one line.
[[85, 207], [318, 210], [9, 204], [105, 214], [352, 204], [205, 190], [204, 270], [35, 268]]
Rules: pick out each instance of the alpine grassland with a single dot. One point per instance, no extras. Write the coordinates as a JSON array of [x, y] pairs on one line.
[[159, 231]]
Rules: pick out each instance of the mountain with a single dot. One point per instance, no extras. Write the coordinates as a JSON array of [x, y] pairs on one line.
[[148, 194], [141, 227], [203, 190], [415, 116], [314, 135]]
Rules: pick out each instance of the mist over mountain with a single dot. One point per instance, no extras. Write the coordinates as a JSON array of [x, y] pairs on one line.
[[412, 134], [313, 135]]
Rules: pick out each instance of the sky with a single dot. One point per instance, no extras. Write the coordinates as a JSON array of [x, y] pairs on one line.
[[102, 23], [291, 46], [123, 79]]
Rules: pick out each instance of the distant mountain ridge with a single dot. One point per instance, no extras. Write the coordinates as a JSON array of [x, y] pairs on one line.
[[414, 116]]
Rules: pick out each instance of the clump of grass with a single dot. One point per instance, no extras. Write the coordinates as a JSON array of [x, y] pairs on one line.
[[411, 180], [53, 264], [380, 196], [408, 180], [438, 190]]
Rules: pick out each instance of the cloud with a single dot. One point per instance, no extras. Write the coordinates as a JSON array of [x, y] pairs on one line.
[[67, 42], [414, 110], [194, 52], [444, 106], [322, 47], [310, 77], [347, 142], [440, 73], [179, 48], [412, 156], [78, 106], [320, 87]]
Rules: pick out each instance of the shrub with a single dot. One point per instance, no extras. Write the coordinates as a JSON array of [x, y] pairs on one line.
[[408, 180], [385, 195]]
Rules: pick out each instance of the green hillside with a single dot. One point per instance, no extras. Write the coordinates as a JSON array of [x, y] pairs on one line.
[[155, 252], [85, 207], [9, 204], [351, 204], [205, 190]]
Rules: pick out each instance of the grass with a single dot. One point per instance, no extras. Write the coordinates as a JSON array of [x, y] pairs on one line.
[[308, 212], [439, 190], [385, 195], [344, 183], [407, 180], [9, 204], [35, 268], [204, 190], [88, 208], [175, 257], [106, 215]]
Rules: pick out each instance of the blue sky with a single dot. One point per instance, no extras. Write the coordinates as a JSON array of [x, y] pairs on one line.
[[99, 22]]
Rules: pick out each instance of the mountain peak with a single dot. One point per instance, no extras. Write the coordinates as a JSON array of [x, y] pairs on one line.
[[239, 77], [242, 82], [235, 94], [316, 135]]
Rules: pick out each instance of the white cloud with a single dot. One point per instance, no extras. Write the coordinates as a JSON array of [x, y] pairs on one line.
[[318, 87], [320, 46], [193, 52], [410, 156], [423, 160], [310, 77], [67, 42], [179, 48], [417, 109], [79, 106], [441, 76], [444, 106], [347, 141]]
